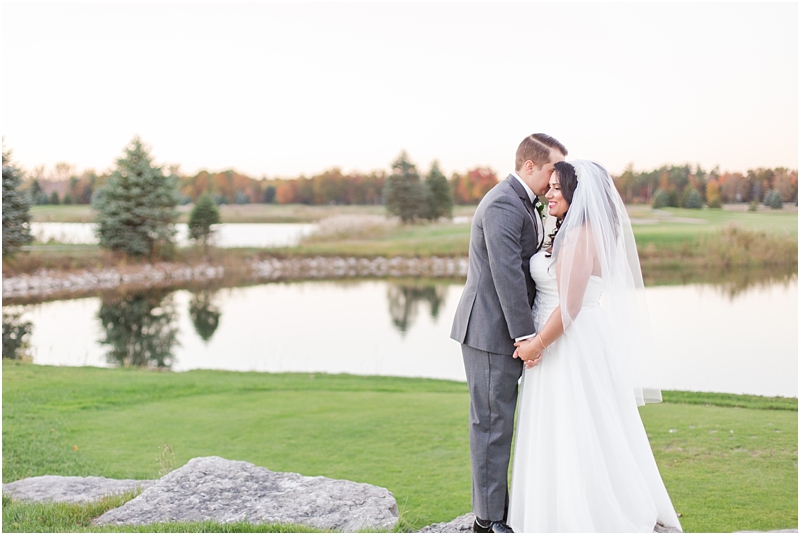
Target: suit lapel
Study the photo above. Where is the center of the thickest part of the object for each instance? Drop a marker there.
(526, 202)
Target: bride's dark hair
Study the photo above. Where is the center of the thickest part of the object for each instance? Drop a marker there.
(568, 181)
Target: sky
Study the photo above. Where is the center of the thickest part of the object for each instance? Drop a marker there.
(280, 90)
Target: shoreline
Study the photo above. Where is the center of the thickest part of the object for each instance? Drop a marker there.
(47, 284)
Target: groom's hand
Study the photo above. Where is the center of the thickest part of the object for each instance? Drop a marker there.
(529, 352)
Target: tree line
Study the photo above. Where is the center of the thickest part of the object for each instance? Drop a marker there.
(689, 186)
(136, 201)
(65, 185)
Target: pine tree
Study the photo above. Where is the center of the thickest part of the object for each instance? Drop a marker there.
(660, 198)
(437, 194)
(693, 199)
(136, 207)
(404, 195)
(16, 217)
(773, 199)
(204, 214)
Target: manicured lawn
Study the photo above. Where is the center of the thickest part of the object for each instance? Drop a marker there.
(673, 227)
(408, 435)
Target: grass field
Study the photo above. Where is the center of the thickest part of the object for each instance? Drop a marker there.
(729, 462)
(659, 233)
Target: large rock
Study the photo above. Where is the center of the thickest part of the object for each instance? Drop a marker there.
(212, 488)
(462, 524)
(70, 489)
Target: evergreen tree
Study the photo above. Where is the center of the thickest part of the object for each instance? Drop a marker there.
(35, 194)
(437, 194)
(16, 217)
(269, 194)
(204, 214)
(660, 198)
(773, 199)
(693, 199)
(136, 206)
(404, 195)
(54, 198)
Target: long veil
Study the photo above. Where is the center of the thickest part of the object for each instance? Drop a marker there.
(596, 239)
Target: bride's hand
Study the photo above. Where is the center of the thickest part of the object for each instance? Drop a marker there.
(531, 363)
(528, 351)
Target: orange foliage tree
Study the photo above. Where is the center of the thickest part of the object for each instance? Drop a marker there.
(470, 187)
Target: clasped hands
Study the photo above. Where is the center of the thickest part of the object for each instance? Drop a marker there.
(529, 350)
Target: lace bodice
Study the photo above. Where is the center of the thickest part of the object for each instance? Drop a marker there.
(546, 299)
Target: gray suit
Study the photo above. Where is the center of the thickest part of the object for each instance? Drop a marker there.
(495, 309)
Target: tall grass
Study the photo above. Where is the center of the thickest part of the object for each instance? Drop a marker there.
(353, 227)
(736, 246)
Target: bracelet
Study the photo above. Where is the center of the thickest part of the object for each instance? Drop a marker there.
(541, 342)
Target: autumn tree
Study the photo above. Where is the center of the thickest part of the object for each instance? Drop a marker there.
(713, 198)
(470, 187)
(136, 206)
(403, 194)
(16, 215)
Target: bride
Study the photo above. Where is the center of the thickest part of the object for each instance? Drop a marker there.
(582, 461)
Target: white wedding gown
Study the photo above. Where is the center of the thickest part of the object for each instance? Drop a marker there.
(582, 461)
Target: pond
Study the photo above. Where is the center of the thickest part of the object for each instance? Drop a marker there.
(226, 235)
(707, 338)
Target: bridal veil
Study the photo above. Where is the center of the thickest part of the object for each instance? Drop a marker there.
(596, 239)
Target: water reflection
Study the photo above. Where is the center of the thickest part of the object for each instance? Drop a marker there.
(404, 302)
(140, 329)
(204, 314)
(730, 282)
(16, 333)
(741, 344)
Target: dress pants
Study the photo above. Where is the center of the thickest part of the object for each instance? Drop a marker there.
(493, 383)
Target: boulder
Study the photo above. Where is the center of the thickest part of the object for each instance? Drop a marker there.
(70, 489)
(213, 488)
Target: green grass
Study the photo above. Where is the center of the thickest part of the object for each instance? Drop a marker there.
(408, 435)
(670, 239)
(21, 517)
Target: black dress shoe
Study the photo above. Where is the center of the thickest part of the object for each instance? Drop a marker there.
(487, 526)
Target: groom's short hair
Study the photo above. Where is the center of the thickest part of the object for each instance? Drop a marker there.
(536, 147)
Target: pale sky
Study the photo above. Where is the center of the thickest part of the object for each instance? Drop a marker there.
(281, 89)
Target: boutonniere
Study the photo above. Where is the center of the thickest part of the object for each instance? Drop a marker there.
(539, 205)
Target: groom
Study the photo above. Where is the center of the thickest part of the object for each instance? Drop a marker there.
(494, 312)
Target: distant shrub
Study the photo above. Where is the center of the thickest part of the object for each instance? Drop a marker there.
(753, 206)
(693, 200)
(660, 198)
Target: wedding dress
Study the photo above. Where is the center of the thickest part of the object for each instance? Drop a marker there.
(582, 460)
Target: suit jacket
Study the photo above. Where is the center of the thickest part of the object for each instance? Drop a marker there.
(495, 307)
